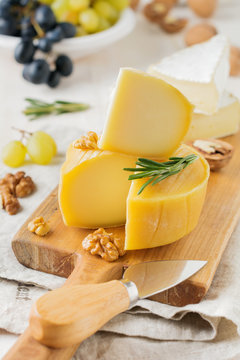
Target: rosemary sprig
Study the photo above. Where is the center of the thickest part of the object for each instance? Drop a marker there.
(38, 108)
(158, 171)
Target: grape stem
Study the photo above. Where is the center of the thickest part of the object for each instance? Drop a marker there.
(22, 132)
(38, 28)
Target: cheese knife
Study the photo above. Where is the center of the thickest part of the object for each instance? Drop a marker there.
(63, 318)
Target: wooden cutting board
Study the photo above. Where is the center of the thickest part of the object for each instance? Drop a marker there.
(60, 251)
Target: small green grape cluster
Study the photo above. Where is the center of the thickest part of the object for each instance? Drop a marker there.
(40, 147)
(90, 16)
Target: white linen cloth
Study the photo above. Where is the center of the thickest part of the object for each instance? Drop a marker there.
(209, 330)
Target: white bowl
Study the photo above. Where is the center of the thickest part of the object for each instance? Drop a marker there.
(82, 46)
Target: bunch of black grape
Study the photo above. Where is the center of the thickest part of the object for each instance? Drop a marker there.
(39, 31)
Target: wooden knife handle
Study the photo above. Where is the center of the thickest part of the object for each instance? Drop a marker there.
(65, 317)
(87, 270)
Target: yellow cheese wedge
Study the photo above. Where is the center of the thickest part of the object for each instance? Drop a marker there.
(223, 123)
(167, 211)
(147, 116)
(93, 188)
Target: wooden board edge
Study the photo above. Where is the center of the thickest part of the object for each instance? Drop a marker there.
(43, 259)
(188, 292)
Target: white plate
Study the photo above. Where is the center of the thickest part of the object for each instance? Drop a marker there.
(81, 46)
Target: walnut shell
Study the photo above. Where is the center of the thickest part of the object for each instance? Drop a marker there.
(199, 33)
(172, 25)
(203, 8)
(218, 153)
(156, 10)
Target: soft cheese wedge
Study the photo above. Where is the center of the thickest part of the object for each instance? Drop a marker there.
(200, 72)
(93, 188)
(147, 116)
(169, 210)
(223, 123)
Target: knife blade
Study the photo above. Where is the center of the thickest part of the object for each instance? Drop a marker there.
(153, 277)
(69, 315)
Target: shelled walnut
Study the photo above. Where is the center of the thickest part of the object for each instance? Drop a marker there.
(88, 142)
(39, 226)
(8, 201)
(218, 153)
(13, 186)
(104, 244)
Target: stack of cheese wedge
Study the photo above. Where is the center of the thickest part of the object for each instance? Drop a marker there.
(200, 72)
(147, 118)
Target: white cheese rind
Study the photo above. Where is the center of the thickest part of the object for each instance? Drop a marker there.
(200, 72)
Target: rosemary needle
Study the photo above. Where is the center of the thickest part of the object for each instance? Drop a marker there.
(158, 171)
(38, 108)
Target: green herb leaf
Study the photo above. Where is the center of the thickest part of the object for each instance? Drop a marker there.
(158, 171)
(38, 108)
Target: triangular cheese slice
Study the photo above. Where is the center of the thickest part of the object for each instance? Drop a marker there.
(147, 116)
(200, 72)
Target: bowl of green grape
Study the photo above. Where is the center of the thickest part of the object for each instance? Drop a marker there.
(35, 32)
(98, 23)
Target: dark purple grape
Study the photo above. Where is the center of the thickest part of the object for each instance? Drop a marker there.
(24, 52)
(69, 30)
(37, 72)
(45, 17)
(25, 73)
(5, 9)
(54, 79)
(27, 29)
(55, 35)
(8, 26)
(45, 45)
(64, 65)
(24, 3)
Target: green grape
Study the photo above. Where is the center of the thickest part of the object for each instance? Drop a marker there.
(89, 20)
(50, 139)
(60, 7)
(41, 148)
(46, 2)
(13, 154)
(81, 31)
(79, 5)
(119, 4)
(103, 24)
(106, 10)
(69, 16)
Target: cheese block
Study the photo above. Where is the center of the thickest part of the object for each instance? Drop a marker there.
(200, 72)
(223, 123)
(169, 210)
(147, 116)
(93, 188)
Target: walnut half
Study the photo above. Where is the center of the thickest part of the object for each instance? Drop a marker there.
(217, 152)
(104, 244)
(88, 142)
(39, 226)
(13, 186)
